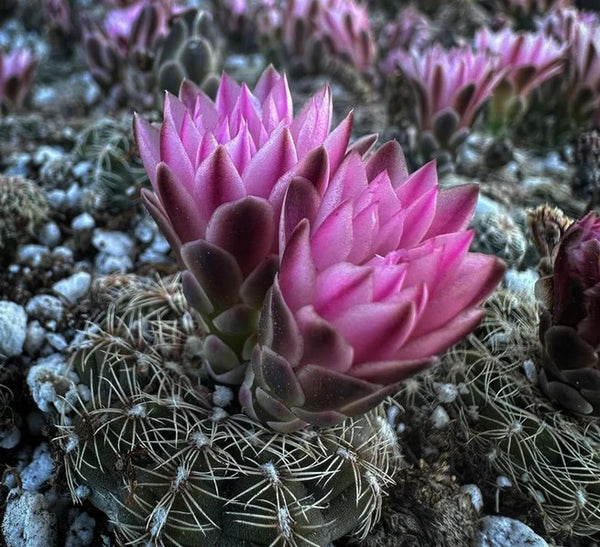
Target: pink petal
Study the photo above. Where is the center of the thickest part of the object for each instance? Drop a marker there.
(179, 205)
(454, 209)
(388, 158)
(377, 329)
(332, 240)
(348, 181)
(389, 372)
(336, 143)
(269, 164)
(341, 287)
(476, 278)
(311, 127)
(417, 218)
(245, 229)
(297, 274)
(147, 138)
(217, 181)
(438, 340)
(227, 94)
(173, 153)
(323, 344)
(417, 184)
(365, 227)
(301, 201)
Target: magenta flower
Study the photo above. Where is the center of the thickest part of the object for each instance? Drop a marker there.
(529, 58)
(120, 52)
(17, 70)
(375, 280)
(450, 88)
(341, 27)
(220, 171)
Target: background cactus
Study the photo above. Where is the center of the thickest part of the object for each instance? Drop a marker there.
(190, 51)
(498, 234)
(502, 417)
(23, 206)
(170, 459)
(115, 172)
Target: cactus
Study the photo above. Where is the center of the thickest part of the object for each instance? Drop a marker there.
(548, 455)
(497, 233)
(115, 174)
(190, 51)
(172, 461)
(23, 207)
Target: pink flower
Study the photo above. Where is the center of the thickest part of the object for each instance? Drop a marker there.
(375, 280)
(450, 86)
(17, 70)
(341, 25)
(529, 58)
(220, 171)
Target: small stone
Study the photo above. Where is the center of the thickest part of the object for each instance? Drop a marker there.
(152, 257)
(446, 393)
(81, 531)
(45, 308)
(113, 243)
(13, 328)
(530, 371)
(73, 288)
(84, 221)
(496, 531)
(522, 282)
(473, 491)
(10, 438)
(486, 205)
(73, 196)
(145, 230)
(62, 253)
(45, 154)
(28, 521)
(106, 264)
(33, 255)
(36, 334)
(57, 341)
(49, 234)
(81, 169)
(40, 470)
(160, 244)
(57, 199)
(440, 417)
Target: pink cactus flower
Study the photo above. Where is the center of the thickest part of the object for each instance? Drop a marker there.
(375, 280)
(451, 86)
(410, 30)
(580, 32)
(343, 25)
(529, 58)
(17, 70)
(220, 171)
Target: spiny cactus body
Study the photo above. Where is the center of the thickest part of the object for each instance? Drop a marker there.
(115, 173)
(173, 462)
(23, 206)
(498, 234)
(546, 454)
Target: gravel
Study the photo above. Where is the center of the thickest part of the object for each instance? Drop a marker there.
(13, 328)
(498, 531)
(73, 288)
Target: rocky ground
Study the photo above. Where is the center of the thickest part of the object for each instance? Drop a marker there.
(90, 223)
